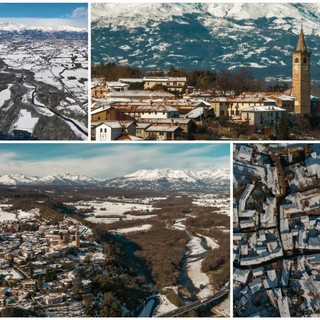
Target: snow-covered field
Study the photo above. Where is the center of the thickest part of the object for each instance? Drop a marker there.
(15, 216)
(143, 227)
(208, 200)
(7, 216)
(144, 200)
(179, 225)
(5, 95)
(25, 121)
(25, 215)
(109, 212)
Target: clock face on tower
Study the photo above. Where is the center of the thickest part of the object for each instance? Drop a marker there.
(306, 68)
(296, 67)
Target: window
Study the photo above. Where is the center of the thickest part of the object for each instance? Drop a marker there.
(305, 60)
(296, 60)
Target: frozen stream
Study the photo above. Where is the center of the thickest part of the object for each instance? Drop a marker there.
(192, 278)
(197, 282)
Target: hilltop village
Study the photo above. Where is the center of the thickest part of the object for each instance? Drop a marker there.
(44, 268)
(166, 107)
(276, 239)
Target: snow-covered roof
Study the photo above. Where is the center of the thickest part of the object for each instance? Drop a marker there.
(116, 84)
(102, 108)
(285, 97)
(139, 93)
(96, 84)
(112, 124)
(130, 80)
(314, 99)
(195, 113)
(262, 109)
(219, 99)
(165, 79)
(171, 120)
(141, 125)
(240, 275)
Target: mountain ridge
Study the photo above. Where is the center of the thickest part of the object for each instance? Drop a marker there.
(259, 36)
(157, 179)
(10, 27)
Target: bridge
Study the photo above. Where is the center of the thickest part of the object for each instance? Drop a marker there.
(215, 299)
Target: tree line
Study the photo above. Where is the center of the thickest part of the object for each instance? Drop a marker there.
(222, 82)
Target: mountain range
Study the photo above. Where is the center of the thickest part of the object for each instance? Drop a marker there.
(156, 179)
(16, 30)
(259, 36)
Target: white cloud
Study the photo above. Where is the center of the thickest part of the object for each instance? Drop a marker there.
(79, 13)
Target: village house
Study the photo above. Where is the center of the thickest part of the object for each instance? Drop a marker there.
(98, 91)
(284, 101)
(109, 113)
(147, 110)
(163, 133)
(188, 126)
(261, 116)
(232, 106)
(139, 94)
(173, 84)
(130, 80)
(111, 130)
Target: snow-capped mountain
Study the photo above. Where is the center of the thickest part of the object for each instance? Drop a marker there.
(260, 36)
(7, 26)
(8, 29)
(61, 179)
(155, 179)
(173, 180)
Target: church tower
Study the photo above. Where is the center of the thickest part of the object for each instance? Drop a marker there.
(77, 238)
(301, 87)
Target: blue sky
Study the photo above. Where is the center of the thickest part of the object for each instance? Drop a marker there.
(109, 160)
(49, 14)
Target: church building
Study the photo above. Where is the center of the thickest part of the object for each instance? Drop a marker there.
(301, 85)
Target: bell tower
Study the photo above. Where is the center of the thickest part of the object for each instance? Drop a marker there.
(301, 86)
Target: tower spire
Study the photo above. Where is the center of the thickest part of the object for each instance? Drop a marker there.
(302, 46)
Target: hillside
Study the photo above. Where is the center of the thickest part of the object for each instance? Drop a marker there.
(205, 35)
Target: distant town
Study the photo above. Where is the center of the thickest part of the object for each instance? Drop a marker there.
(128, 104)
(276, 237)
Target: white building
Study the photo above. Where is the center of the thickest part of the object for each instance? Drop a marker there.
(111, 130)
(261, 116)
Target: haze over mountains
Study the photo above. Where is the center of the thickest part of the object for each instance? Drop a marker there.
(156, 179)
(260, 36)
